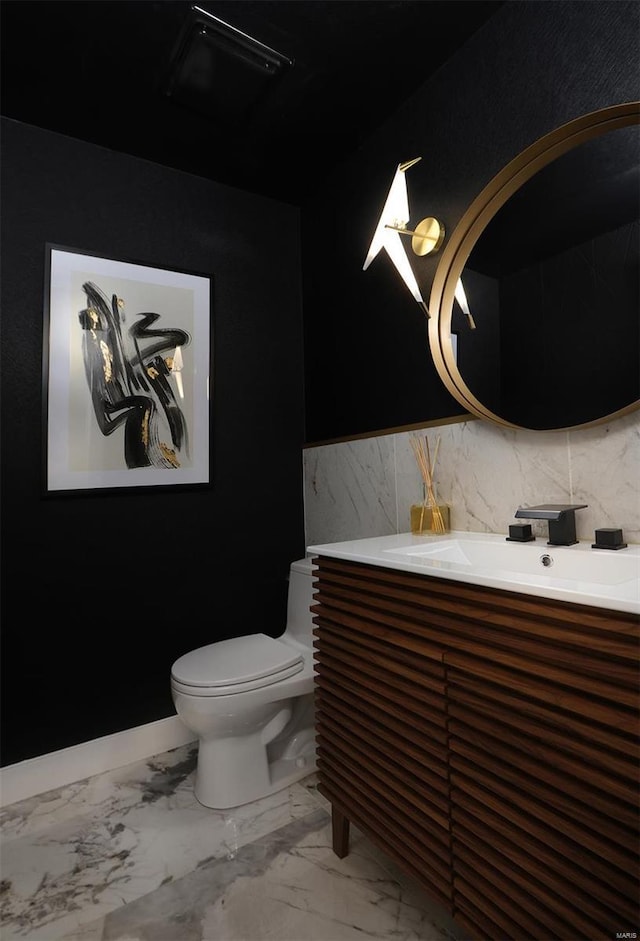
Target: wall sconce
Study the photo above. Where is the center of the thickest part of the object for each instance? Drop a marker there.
(426, 238)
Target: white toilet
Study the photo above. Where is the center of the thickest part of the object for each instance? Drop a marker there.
(250, 702)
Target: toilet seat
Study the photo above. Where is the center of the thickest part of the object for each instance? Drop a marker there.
(235, 666)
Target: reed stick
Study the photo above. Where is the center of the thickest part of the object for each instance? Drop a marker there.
(427, 466)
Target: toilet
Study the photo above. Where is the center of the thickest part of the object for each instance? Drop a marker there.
(249, 700)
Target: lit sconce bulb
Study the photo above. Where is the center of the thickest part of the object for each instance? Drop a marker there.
(461, 298)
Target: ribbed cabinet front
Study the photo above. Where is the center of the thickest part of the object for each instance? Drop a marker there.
(487, 741)
(544, 780)
(381, 722)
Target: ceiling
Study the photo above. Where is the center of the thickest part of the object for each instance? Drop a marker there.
(167, 82)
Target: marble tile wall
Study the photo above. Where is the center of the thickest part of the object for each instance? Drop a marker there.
(485, 472)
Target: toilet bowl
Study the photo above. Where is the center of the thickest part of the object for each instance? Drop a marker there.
(249, 700)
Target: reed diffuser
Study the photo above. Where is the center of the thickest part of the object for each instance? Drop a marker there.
(428, 516)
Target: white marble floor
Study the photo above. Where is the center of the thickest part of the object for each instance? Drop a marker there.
(130, 855)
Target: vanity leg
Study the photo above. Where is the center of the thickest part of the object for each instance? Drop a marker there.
(339, 832)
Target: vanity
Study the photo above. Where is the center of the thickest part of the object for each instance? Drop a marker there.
(477, 719)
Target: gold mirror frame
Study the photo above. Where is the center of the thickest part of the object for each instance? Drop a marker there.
(475, 220)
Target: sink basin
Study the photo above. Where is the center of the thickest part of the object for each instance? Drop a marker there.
(599, 577)
(579, 563)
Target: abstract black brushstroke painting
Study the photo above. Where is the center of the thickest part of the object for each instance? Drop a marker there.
(127, 374)
(132, 387)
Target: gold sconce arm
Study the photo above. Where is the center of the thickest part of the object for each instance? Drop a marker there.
(427, 237)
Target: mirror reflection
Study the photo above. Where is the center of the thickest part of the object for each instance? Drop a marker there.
(553, 286)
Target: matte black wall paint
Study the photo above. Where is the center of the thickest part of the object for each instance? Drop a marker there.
(84, 657)
(532, 67)
(90, 671)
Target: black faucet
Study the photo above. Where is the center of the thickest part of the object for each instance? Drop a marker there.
(562, 520)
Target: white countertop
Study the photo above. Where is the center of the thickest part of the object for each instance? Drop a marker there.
(600, 578)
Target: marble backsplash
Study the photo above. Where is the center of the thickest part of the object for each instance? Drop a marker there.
(365, 487)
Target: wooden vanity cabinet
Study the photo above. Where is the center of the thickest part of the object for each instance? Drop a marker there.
(381, 721)
(488, 742)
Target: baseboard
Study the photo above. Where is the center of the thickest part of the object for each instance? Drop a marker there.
(57, 769)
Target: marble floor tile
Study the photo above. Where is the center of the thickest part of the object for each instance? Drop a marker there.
(130, 855)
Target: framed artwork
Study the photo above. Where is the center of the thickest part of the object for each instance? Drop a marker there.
(126, 375)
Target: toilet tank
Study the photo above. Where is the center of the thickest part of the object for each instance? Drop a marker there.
(299, 599)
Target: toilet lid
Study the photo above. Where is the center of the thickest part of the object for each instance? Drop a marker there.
(241, 662)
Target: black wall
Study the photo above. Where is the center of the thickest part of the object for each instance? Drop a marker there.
(78, 663)
(89, 670)
(532, 67)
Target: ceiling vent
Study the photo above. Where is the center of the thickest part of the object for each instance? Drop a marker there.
(220, 71)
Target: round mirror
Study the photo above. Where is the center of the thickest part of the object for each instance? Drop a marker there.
(544, 263)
